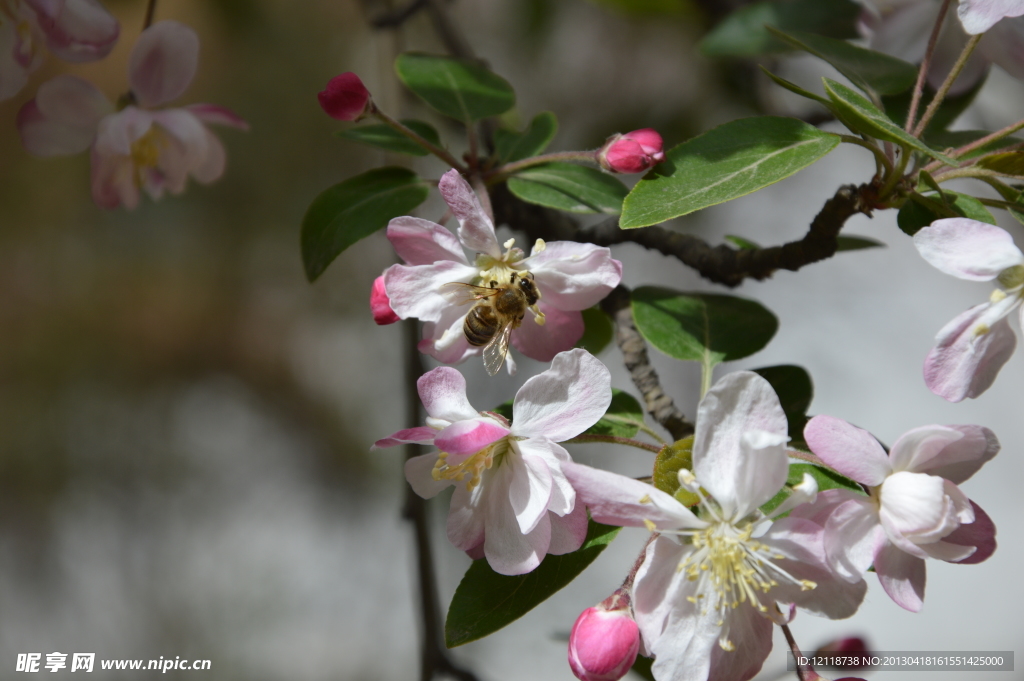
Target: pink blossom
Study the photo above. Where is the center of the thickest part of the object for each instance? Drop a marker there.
(345, 97)
(512, 502)
(604, 640)
(978, 16)
(974, 346)
(633, 152)
(914, 509)
(73, 30)
(708, 591)
(379, 304)
(138, 147)
(570, 277)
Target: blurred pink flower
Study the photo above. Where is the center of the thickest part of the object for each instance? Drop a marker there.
(345, 97)
(978, 16)
(137, 147)
(380, 306)
(633, 152)
(73, 30)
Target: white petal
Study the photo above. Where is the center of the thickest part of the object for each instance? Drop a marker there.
(967, 249)
(417, 472)
(563, 496)
(961, 459)
(418, 290)
(850, 450)
(476, 231)
(529, 490)
(443, 393)
(569, 531)
(617, 500)
(508, 550)
(422, 242)
(573, 276)
(917, 447)
(902, 576)
(565, 400)
(978, 16)
(163, 62)
(466, 515)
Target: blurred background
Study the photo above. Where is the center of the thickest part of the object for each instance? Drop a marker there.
(185, 421)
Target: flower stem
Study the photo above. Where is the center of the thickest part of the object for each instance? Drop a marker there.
(879, 154)
(946, 84)
(432, 148)
(501, 172)
(615, 439)
(998, 134)
(150, 12)
(895, 175)
(801, 670)
(922, 73)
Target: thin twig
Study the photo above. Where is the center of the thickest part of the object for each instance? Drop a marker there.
(922, 73)
(397, 18)
(801, 670)
(933, 106)
(998, 134)
(614, 439)
(150, 13)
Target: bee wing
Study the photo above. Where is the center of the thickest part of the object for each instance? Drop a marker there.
(496, 349)
(461, 294)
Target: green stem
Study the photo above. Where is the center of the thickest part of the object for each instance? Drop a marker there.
(998, 203)
(933, 106)
(970, 171)
(896, 175)
(998, 134)
(706, 371)
(501, 172)
(879, 154)
(432, 148)
(150, 13)
(922, 73)
(614, 439)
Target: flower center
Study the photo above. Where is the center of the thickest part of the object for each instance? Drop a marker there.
(472, 466)
(146, 149)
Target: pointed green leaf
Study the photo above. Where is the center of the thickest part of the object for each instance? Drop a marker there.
(870, 120)
(1013, 196)
(797, 90)
(354, 209)
(623, 418)
(743, 33)
(725, 163)
(946, 139)
(597, 330)
(924, 209)
(870, 71)
(515, 146)
(1010, 163)
(386, 137)
(485, 601)
(569, 187)
(855, 243)
(702, 327)
(741, 243)
(825, 477)
(458, 88)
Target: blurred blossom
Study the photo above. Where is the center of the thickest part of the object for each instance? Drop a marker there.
(633, 152)
(137, 147)
(380, 306)
(978, 16)
(345, 97)
(73, 30)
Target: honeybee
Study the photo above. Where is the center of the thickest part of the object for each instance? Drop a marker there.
(499, 309)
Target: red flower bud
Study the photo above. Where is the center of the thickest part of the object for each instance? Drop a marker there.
(604, 641)
(850, 648)
(345, 98)
(380, 305)
(633, 152)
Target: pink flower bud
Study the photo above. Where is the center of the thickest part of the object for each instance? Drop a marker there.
(380, 305)
(345, 98)
(850, 648)
(633, 152)
(604, 642)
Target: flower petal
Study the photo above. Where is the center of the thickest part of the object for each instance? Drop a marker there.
(420, 435)
(853, 533)
(469, 436)
(189, 131)
(212, 166)
(978, 16)
(77, 30)
(446, 340)
(963, 364)
(443, 393)
(418, 474)
(476, 231)
(852, 451)
(220, 115)
(920, 508)
(980, 534)
(751, 633)
(163, 63)
(508, 550)
(617, 500)
(529, 490)
(422, 242)
(113, 180)
(573, 276)
(740, 473)
(568, 531)
(417, 290)
(564, 400)
(560, 331)
(902, 576)
(656, 590)
(563, 496)
(967, 249)
(466, 516)
(685, 650)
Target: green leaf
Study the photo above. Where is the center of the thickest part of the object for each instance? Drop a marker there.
(597, 330)
(515, 146)
(870, 71)
(924, 209)
(670, 460)
(856, 243)
(569, 187)
(793, 386)
(458, 88)
(1010, 163)
(1013, 196)
(744, 34)
(702, 327)
(869, 119)
(642, 667)
(386, 137)
(825, 477)
(741, 243)
(485, 601)
(946, 139)
(623, 418)
(354, 209)
(797, 90)
(897, 106)
(725, 163)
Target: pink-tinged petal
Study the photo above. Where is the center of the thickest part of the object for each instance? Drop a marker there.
(76, 30)
(477, 552)
(617, 500)
(963, 364)
(740, 473)
(967, 249)
(529, 491)
(418, 290)
(564, 400)
(852, 451)
(751, 633)
(568, 531)
(469, 436)
(446, 340)
(563, 496)
(951, 553)
(980, 534)
(113, 180)
(853, 533)
(508, 550)
(657, 589)
(163, 63)
(219, 115)
(422, 242)
(572, 276)
(443, 393)
(978, 16)
(380, 306)
(476, 231)
(1004, 46)
(921, 508)
(466, 516)
(63, 118)
(650, 140)
(951, 452)
(685, 650)
(117, 132)
(418, 474)
(345, 98)
(902, 576)
(420, 435)
(603, 644)
(188, 130)
(560, 331)
(212, 166)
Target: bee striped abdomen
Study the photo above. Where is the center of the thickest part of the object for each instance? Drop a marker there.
(481, 325)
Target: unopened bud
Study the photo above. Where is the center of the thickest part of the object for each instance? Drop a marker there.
(380, 306)
(604, 641)
(633, 152)
(345, 97)
(853, 650)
